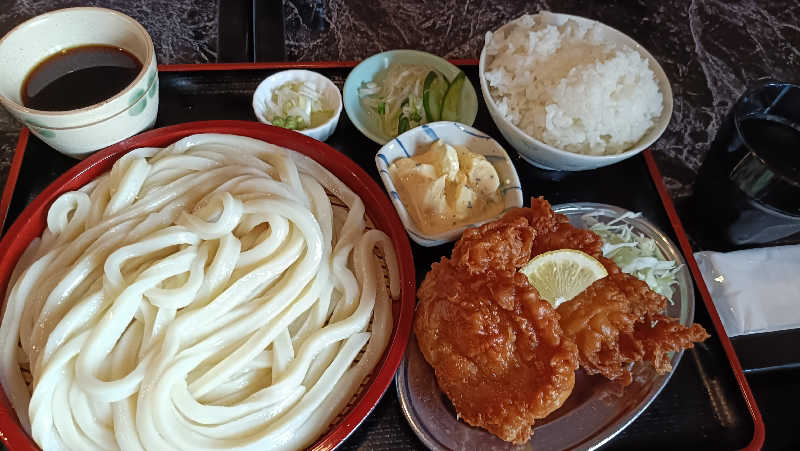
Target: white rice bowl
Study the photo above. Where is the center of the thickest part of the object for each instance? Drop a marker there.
(568, 87)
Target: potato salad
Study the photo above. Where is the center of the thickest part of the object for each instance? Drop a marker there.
(447, 186)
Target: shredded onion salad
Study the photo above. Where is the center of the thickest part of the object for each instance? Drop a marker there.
(395, 91)
(635, 253)
(208, 295)
(296, 105)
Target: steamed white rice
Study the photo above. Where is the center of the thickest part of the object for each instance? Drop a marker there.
(568, 88)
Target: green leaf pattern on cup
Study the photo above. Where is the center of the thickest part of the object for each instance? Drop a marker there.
(134, 108)
(138, 99)
(137, 107)
(39, 129)
(153, 89)
(46, 133)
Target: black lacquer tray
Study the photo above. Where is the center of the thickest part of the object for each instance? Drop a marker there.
(707, 404)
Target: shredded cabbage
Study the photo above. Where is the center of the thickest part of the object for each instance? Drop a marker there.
(395, 91)
(635, 253)
(295, 105)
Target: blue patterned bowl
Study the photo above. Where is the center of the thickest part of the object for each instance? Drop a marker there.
(418, 140)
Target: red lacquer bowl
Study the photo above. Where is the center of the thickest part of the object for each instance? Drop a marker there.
(32, 221)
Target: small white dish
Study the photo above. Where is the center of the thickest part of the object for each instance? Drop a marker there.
(418, 140)
(331, 98)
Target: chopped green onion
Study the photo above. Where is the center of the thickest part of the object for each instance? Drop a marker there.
(292, 105)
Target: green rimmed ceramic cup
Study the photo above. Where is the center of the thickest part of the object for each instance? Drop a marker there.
(80, 132)
(366, 71)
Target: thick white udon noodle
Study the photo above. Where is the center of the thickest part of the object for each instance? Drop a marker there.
(202, 296)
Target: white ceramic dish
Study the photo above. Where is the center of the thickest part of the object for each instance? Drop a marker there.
(78, 133)
(331, 98)
(546, 156)
(418, 140)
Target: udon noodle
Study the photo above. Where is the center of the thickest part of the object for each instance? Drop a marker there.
(207, 295)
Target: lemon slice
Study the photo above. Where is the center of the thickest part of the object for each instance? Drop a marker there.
(561, 275)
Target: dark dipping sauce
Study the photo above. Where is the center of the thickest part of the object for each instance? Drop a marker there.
(79, 77)
(776, 141)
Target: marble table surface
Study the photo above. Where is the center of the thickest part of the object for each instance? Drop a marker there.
(710, 49)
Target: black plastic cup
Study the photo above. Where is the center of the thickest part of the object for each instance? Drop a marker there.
(747, 192)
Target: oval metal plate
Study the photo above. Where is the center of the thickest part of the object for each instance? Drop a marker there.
(597, 409)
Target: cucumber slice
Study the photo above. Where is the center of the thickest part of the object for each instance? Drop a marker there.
(452, 98)
(433, 92)
(402, 125)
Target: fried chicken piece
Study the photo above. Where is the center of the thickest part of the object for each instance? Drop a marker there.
(502, 355)
(497, 349)
(667, 335)
(554, 231)
(499, 246)
(618, 321)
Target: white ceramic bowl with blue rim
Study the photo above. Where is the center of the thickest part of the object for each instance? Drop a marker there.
(418, 140)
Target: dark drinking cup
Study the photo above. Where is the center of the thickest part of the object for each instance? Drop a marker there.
(747, 192)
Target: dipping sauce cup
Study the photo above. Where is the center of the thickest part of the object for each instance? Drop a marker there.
(80, 132)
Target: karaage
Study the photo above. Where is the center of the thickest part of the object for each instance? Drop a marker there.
(617, 321)
(502, 355)
(554, 231)
(497, 348)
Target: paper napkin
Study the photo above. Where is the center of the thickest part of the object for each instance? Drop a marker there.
(755, 290)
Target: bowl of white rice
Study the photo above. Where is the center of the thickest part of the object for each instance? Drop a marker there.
(570, 93)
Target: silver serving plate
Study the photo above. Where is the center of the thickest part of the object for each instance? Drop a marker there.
(597, 409)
